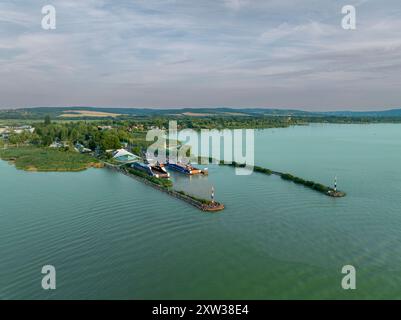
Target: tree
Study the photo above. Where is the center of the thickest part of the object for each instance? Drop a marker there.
(74, 135)
(47, 140)
(110, 141)
(14, 138)
(63, 134)
(47, 120)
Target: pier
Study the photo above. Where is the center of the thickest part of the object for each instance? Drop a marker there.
(211, 206)
(328, 191)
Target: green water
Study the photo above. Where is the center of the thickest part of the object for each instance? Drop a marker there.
(111, 237)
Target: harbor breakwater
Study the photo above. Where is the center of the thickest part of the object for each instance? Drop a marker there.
(208, 206)
(328, 191)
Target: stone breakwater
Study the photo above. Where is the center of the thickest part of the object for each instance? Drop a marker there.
(326, 190)
(206, 207)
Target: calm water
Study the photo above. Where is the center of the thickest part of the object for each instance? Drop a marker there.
(112, 237)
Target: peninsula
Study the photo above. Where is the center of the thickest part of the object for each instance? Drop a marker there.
(75, 139)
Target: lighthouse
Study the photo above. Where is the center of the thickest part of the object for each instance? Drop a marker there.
(335, 184)
(212, 194)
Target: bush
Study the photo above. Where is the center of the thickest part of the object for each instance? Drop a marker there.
(307, 183)
(165, 183)
(287, 176)
(262, 170)
(47, 159)
(203, 201)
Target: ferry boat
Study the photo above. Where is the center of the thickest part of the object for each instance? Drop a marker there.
(157, 170)
(185, 168)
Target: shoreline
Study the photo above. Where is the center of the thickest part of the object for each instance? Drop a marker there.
(35, 159)
(41, 170)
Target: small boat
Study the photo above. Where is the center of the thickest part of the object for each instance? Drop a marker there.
(157, 170)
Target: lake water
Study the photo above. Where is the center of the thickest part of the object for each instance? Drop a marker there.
(111, 237)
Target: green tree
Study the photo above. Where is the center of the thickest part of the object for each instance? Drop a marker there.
(110, 141)
(47, 120)
(63, 134)
(47, 140)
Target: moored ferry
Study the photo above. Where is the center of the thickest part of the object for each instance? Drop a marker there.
(185, 168)
(157, 171)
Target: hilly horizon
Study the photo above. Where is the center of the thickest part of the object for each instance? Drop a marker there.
(74, 111)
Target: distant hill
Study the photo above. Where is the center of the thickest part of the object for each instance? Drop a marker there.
(385, 113)
(97, 112)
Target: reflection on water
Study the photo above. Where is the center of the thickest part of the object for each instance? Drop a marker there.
(197, 185)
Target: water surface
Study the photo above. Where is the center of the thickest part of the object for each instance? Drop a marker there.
(111, 237)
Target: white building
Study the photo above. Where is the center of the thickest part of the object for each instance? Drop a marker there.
(123, 155)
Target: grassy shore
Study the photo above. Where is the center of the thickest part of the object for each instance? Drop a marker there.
(47, 160)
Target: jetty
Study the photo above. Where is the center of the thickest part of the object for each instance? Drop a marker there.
(201, 204)
(328, 191)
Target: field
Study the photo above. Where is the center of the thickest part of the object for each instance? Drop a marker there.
(46, 159)
(193, 114)
(87, 113)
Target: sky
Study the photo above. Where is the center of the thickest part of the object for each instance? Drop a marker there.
(201, 53)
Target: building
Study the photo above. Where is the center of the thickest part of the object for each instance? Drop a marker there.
(17, 130)
(123, 155)
(103, 128)
(22, 129)
(81, 148)
(58, 144)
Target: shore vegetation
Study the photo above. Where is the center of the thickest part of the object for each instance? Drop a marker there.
(31, 158)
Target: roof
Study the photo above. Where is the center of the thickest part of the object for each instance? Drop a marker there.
(124, 155)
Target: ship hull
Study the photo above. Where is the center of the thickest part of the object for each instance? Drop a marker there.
(185, 169)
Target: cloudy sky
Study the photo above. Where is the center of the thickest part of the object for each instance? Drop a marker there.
(201, 53)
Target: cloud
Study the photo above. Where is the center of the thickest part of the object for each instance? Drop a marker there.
(236, 4)
(200, 53)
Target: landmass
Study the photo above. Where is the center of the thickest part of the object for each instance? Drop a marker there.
(78, 138)
(31, 158)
